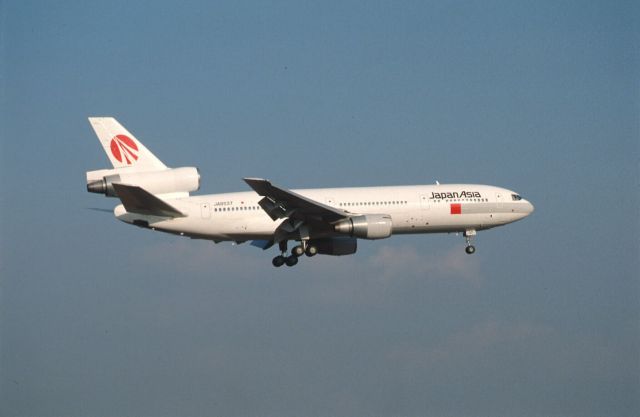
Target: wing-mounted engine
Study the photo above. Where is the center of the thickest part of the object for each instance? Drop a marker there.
(336, 246)
(165, 181)
(367, 226)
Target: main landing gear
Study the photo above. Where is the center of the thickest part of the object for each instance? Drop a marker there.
(297, 251)
(280, 260)
(470, 249)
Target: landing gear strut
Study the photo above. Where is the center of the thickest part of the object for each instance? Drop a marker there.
(305, 248)
(281, 259)
(470, 249)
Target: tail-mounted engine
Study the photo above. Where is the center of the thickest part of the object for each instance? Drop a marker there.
(172, 180)
(368, 226)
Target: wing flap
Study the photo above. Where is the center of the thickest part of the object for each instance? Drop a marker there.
(286, 203)
(138, 200)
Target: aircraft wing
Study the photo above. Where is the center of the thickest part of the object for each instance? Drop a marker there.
(280, 203)
(137, 200)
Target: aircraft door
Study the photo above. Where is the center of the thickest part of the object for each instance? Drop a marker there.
(499, 200)
(424, 202)
(205, 210)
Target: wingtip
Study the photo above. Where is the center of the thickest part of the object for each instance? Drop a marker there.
(253, 180)
(99, 118)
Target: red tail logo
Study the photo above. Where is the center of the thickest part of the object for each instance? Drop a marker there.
(124, 147)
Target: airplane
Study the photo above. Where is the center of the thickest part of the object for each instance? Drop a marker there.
(327, 221)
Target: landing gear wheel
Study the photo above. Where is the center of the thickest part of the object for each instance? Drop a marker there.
(468, 234)
(278, 261)
(297, 251)
(311, 251)
(291, 260)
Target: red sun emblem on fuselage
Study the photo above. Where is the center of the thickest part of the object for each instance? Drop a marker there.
(124, 148)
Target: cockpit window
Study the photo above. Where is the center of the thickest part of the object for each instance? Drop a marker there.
(516, 197)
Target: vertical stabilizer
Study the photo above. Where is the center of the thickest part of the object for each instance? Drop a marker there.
(122, 148)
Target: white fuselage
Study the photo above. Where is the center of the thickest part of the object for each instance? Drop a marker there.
(327, 221)
(413, 209)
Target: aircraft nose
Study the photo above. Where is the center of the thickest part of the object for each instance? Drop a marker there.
(530, 207)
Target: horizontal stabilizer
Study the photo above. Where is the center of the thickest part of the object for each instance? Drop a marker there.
(138, 200)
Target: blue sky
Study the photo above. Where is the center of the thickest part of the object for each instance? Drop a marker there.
(103, 319)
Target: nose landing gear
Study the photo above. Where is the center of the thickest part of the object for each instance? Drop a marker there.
(470, 249)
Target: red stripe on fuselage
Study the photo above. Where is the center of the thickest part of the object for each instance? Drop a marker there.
(456, 208)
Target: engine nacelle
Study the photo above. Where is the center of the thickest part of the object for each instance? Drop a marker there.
(367, 226)
(336, 246)
(172, 180)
